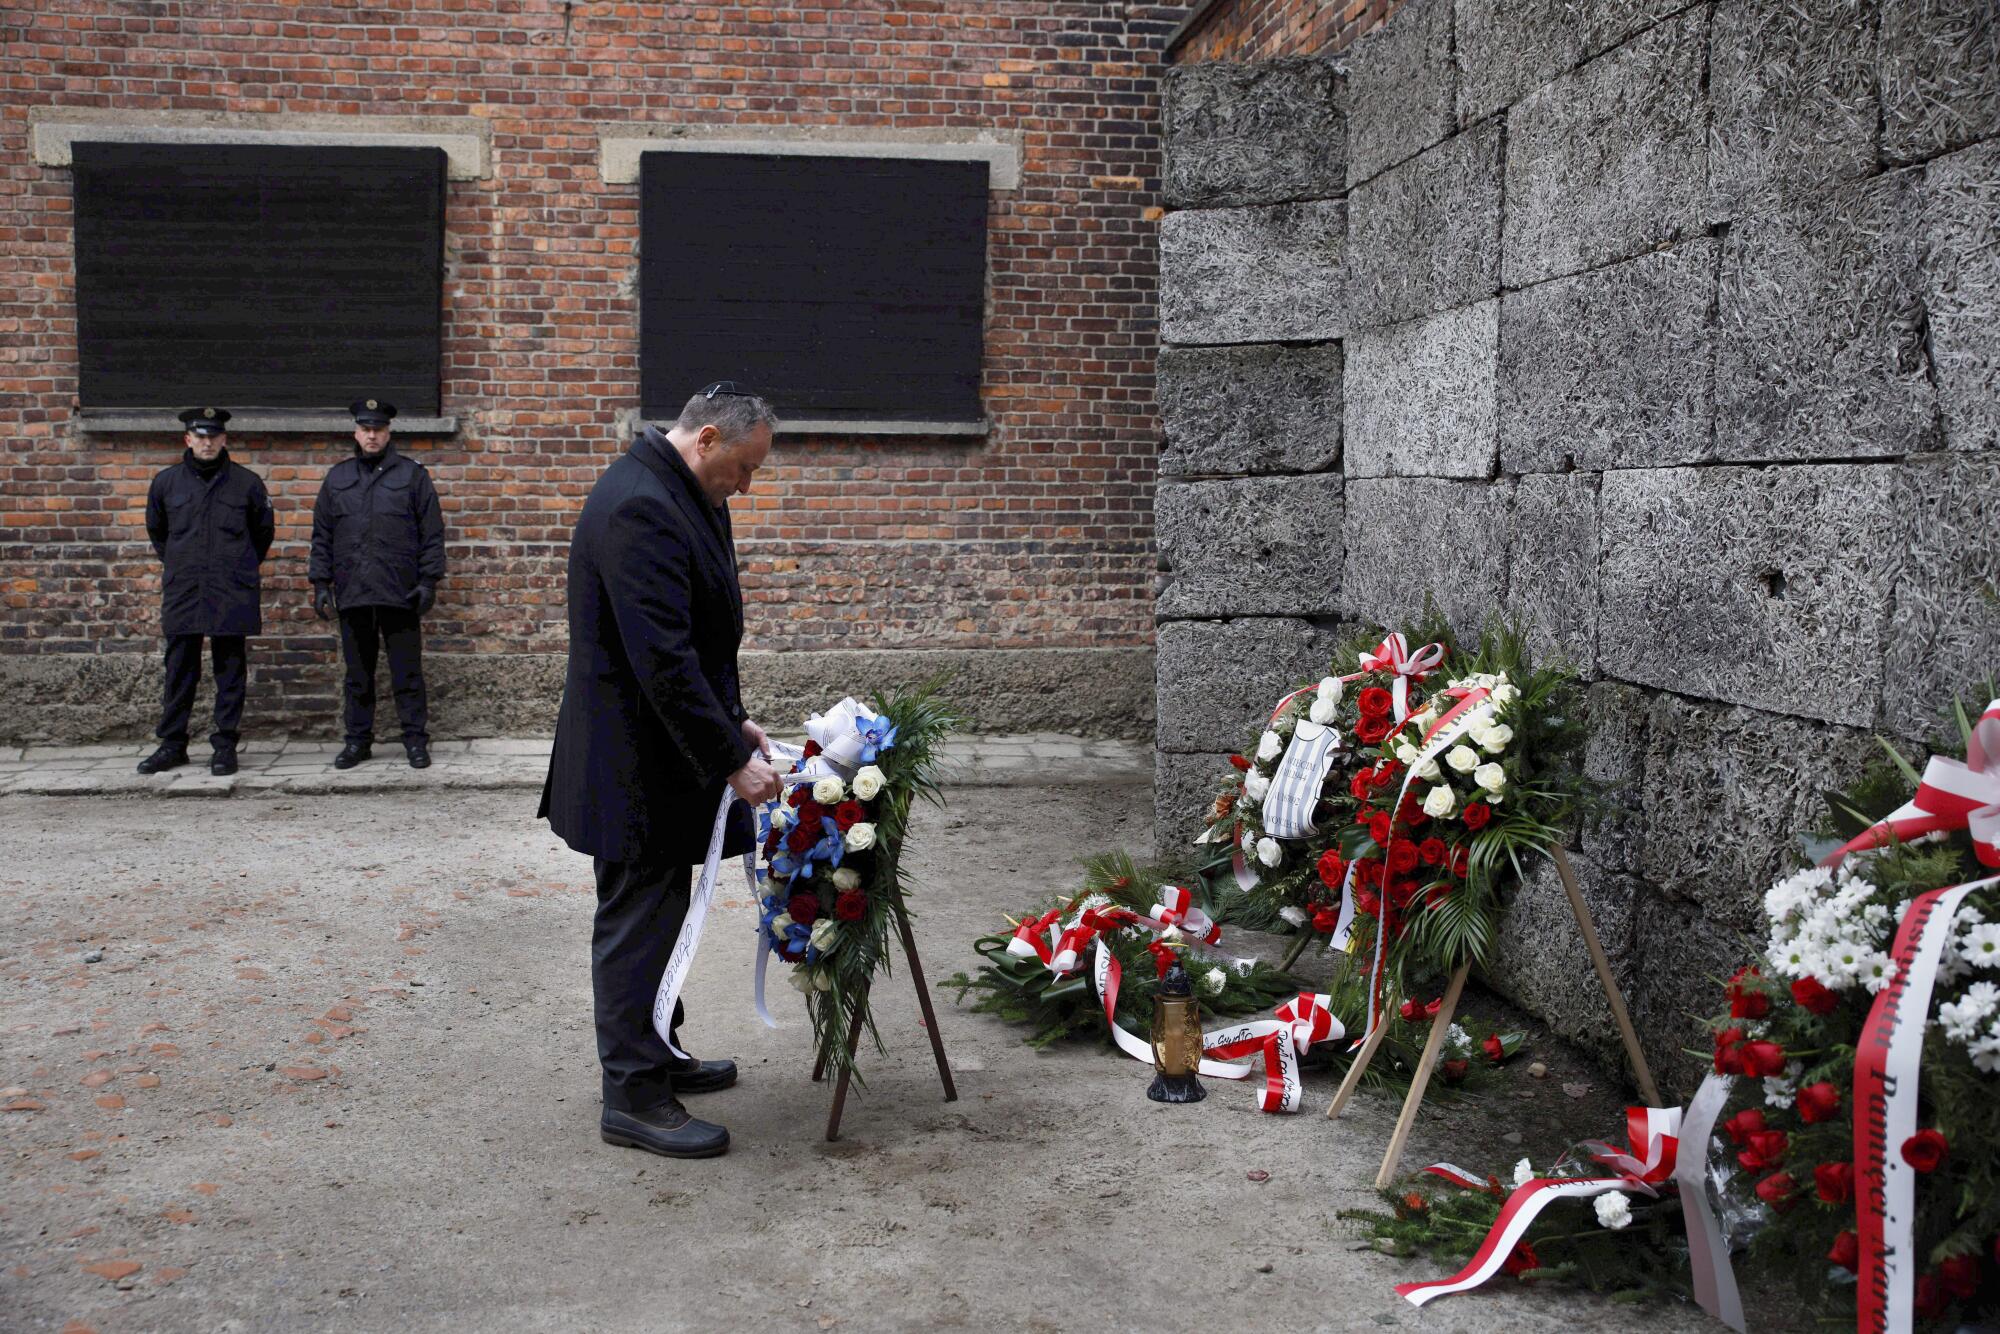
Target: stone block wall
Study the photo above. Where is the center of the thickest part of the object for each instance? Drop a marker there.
(1672, 329)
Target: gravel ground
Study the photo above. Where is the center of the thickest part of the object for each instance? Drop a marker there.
(334, 1070)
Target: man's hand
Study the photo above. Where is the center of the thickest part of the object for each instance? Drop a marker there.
(755, 738)
(323, 602)
(427, 596)
(756, 782)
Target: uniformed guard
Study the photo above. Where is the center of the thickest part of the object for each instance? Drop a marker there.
(377, 556)
(210, 521)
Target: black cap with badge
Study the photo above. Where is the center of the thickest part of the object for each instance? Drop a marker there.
(372, 412)
(206, 421)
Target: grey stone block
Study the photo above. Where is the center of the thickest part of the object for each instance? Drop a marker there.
(1728, 794)
(1250, 409)
(1821, 331)
(1253, 134)
(1552, 570)
(1219, 679)
(1542, 964)
(1401, 88)
(1940, 75)
(1508, 48)
(1420, 396)
(1184, 786)
(1944, 640)
(1610, 369)
(1761, 587)
(1425, 235)
(1409, 538)
(1614, 758)
(1255, 546)
(1792, 84)
(1682, 956)
(1254, 275)
(1609, 159)
(1962, 291)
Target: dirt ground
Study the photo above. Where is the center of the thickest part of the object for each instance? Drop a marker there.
(334, 1071)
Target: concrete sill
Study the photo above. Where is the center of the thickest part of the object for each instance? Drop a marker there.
(833, 426)
(251, 421)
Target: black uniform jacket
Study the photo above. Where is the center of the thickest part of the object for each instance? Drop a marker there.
(651, 715)
(377, 532)
(211, 533)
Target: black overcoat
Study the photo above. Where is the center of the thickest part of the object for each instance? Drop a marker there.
(377, 532)
(651, 717)
(211, 533)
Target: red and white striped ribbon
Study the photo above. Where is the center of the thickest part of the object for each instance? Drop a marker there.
(1954, 794)
(1393, 655)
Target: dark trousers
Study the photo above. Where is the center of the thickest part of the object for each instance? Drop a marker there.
(639, 913)
(228, 655)
(365, 630)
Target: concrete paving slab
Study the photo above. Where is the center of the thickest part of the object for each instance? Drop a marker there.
(44, 753)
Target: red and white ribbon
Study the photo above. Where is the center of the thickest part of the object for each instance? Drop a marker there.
(1179, 911)
(1461, 1178)
(1281, 1040)
(1107, 976)
(1954, 794)
(1393, 655)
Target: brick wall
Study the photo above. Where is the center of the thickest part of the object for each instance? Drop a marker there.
(1246, 30)
(1036, 538)
(1668, 328)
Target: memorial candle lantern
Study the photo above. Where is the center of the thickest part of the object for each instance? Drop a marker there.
(1176, 1040)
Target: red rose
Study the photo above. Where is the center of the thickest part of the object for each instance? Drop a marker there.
(1769, 1146)
(1960, 1275)
(1810, 995)
(1359, 786)
(850, 906)
(1729, 1056)
(1433, 851)
(1385, 773)
(1368, 873)
(1411, 1011)
(1834, 1181)
(812, 749)
(1461, 861)
(812, 815)
(1403, 857)
(1931, 1300)
(1846, 1252)
(800, 839)
(1366, 903)
(1431, 1010)
(1926, 1150)
(1240, 763)
(1475, 816)
(1436, 894)
(1496, 1051)
(800, 796)
(1371, 731)
(1763, 1058)
(1744, 1124)
(1325, 920)
(1411, 812)
(1402, 891)
(1522, 1260)
(1776, 1190)
(1745, 1002)
(1819, 1102)
(848, 814)
(1378, 828)
(1454, 1070)
(1332, 870)
(1375, 702)
(804, 908)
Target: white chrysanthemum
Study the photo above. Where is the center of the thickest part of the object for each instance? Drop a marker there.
(1963, 1018)
(1614, 1209)
(1878, 970)
(1457, 1041)
(1270, 746)
(1524, 1172)
(1981, 946)
(1986, 1054)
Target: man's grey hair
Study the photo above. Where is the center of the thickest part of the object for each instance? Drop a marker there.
(732, 415)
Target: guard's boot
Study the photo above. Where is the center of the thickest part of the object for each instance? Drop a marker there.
(223, 761)
(667, 1130)
(419, 753)
(351, 754)
(168, 756)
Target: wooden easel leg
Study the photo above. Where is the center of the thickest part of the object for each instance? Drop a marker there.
(1603, 965)
(1359, 1066)
(924, 1002)
(819, 1064)
(1421, 1077)
(854, 1027)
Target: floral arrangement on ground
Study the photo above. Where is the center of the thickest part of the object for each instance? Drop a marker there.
(831, 863)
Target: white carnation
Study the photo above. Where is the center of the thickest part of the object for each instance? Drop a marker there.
(1268, 851)
(1439, 802)
(1329, 692)
(1491, 777)
(1614, 1209)
(860, 837)
(1213, 981)
(829, 791)
(1255, 787)
(1524, 1172)
(1293, 914)
(1462, 758)
(1270, 746)
(1321, 712)
(868, 781)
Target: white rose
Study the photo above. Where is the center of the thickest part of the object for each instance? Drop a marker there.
(1614, 1209)
(802, 981)
(1438, 802)
(1293, 914)
(860, 837)
(1171, 936)
(1462, 758)
(868, 782)
(825, 934)
(1490, 776)
(1255, 787)
(1268, 851)
(1321, 712)
(1270, 746)
(1495, 740)
(1505, 694)
(822, 980)
(1429, 771)
(1524, 1172)
(829, 791)
(1406, 752)
(781, 924)
(847, 878)
(1213, 981)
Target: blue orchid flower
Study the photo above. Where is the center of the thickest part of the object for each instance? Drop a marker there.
(831, 846)
(877, 735)
(785, 865)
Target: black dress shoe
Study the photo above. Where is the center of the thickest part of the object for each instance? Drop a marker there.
(352, 754)
(667, 1130)
(420, 754)
(166, 757)
(705, 1077)
(223, 762)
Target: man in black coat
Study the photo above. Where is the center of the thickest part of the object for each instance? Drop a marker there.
(652, 727)
(377, 556)
(210, 522)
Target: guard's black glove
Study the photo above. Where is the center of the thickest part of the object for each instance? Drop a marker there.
(427, 596)
(323, 601)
